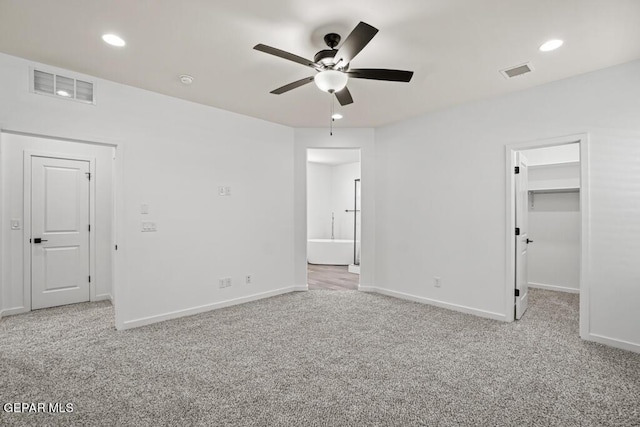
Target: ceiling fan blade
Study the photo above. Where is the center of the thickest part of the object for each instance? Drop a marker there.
(381, 74)
(287, 88)
(344, 97)
(355, 42)
(286, 55)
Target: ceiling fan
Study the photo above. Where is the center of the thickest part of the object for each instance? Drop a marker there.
(332, 65)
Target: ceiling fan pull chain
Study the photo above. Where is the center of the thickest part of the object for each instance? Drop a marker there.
(331, 116)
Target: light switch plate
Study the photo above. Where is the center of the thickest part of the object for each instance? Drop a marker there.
(144, 209)
(222, 191)
(149, 226)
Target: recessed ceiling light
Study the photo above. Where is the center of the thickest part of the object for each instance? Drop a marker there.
(336, 116)
(186, 79)
(551, 45)
(63, 93)
(113, 40)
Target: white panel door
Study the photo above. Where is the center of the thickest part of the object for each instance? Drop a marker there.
(522, 239)
(59, 231)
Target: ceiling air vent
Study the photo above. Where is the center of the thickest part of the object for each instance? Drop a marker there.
(62, 86)
(516, 71)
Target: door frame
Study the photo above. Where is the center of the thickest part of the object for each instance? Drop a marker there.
(585, 218)
(26, 229)
(306, 203)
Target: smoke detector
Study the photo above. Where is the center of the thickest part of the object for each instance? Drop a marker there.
(186, 79)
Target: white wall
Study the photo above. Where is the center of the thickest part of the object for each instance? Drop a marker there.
(342, 138)
(448, 168)
(330, 191)
(554, 226)
(174, 155)
(343, 177)
(319, 200)
(13, 147)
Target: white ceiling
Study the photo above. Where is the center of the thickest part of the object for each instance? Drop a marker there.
(333, 156)
(455, 47)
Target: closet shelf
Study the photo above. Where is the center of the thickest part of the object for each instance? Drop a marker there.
(555, 190)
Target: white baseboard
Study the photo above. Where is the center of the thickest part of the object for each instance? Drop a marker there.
(437, 303)
(624, 345)
(301, 288)
(553, 288)
(135, 323)
(103, 297)
(13, 311)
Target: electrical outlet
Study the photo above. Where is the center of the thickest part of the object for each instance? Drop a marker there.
(247, 279)
(222, 191)
(221, 283)
(437, 281)
(227, 282)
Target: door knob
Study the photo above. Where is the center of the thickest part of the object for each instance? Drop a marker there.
(529, 241)
(39, 240)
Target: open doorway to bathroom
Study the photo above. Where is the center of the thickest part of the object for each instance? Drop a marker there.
(333, 219)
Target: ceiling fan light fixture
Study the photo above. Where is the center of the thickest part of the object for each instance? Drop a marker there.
(331, 81)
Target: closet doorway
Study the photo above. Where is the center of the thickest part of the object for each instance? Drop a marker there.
(548, 222)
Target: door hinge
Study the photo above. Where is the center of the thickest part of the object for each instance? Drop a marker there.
(517, 231)
(89, 279)
(89, 227)
(517, 170)
(517, 292)
(88, 175)
(116, 247)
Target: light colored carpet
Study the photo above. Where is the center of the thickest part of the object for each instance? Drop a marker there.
(318, 359)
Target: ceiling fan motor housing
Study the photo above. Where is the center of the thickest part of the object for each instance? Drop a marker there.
(325, 57)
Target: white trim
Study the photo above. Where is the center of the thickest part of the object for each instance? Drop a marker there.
(26, 230)
(554, 288)
(103, 297)
(624, 345)
(510, 151)
(297, 288)
(129, 324)
(585, 237)
(13, 311)
(3, 205)
(437, 303)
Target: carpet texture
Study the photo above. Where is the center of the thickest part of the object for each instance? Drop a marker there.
(318, 358)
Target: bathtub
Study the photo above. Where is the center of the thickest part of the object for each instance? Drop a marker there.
(330, 252)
